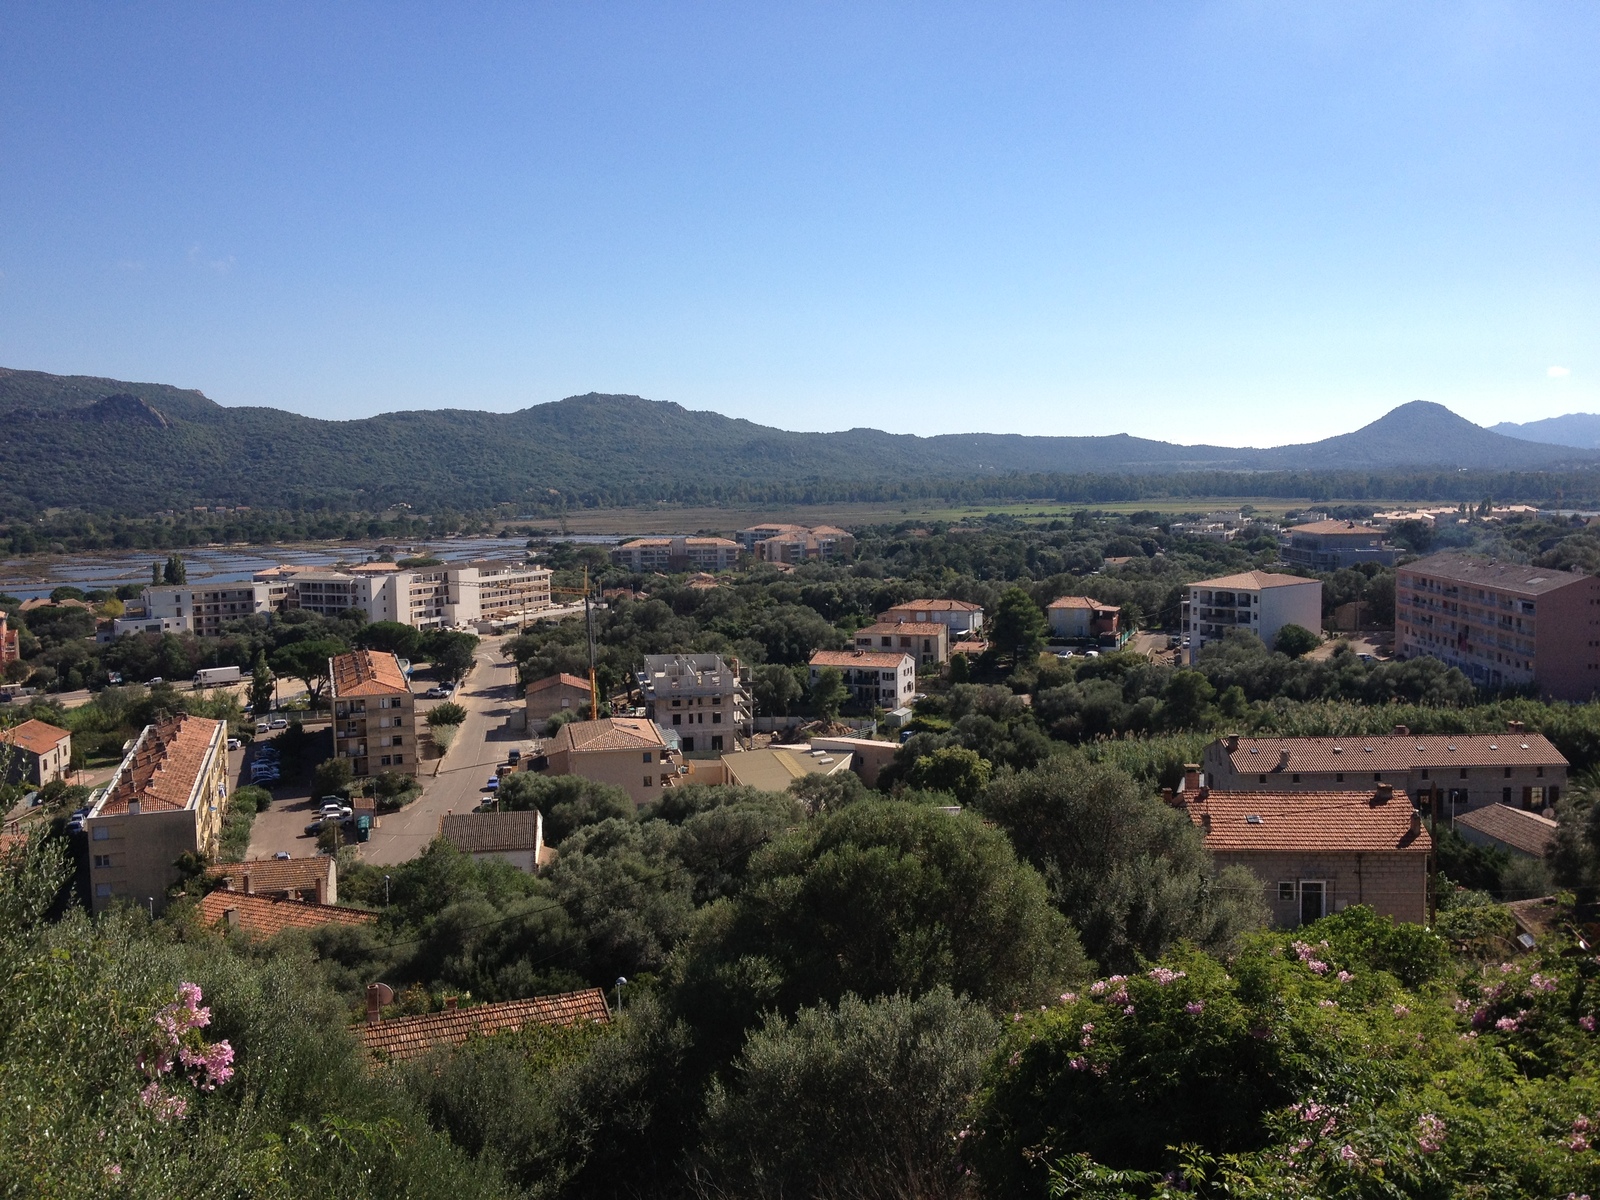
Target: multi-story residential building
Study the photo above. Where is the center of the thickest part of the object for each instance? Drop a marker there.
(797, 543)
(1257, 601)
(876, 678)
(962, 619)
(9, 651)
(1329, 545)
(374, 713)
(1502, 624)
(1466, 771)
(928, 643)
(448, 594)
(628, 752)
(1080, 619)
(1317, 853)
(676, 554)
(42, 752)
(166, 798)
(700, 697)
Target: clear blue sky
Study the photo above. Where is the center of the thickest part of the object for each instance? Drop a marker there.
(1234, 223)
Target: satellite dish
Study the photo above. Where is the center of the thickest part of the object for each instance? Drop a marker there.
(381, 992)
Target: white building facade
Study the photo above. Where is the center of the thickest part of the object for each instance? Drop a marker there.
(1257, 601)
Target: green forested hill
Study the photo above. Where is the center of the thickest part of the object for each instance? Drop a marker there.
(107, 444)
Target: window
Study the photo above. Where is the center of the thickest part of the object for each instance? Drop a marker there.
(1537, 771)
(1312, 900)
(1377, 777)
(648, 781)
(101, 833)
(102, 889)
(384, 761)
(1261, 778)
(1505, 794)
(1463, 772)
(677, 718)
(716, 741)
(716, 718)
(1508, 772)
(647, 756)
(1286, 889)
(1339, 777)
(102, 860)
(716, 700)
(677, 704)
(1297, 779)
(1424, 772)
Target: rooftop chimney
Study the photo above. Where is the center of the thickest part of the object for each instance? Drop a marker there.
(1168, 796)
(249, 885)
(378, 994)
(1515, 727)
(1384, 794)
(322, 890)
(1231, 741)
(1283, 759)
(1402, 731)
(1416, 821)
(1205, 823)
(231, 916)
(1191, 777)
(449, 1004)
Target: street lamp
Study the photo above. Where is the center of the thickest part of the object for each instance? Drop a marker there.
(621, 983)
(386, 891)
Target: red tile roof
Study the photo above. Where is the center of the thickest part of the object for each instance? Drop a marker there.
(411, 1037)
(267, 917)
(1328, 822)
(887, 660)
(36, 737)
(269, 875)
(608, 733)
(1083, 602)
(1393, 753)
(1252, 581)
(938, 606)
(161, 770)
(550, 681)
(491, 833)
(1525, 831)
(909, 628)
(367, 673)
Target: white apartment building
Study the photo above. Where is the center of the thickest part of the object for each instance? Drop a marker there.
(677, 554)
(879, 678)
(699, 696)
(443, 596)
(1258, 601)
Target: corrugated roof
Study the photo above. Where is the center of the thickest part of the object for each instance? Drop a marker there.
(1525, 831)
(1253, 581)
(608, 733)
(1393, 753)
(276, 874)
(161, 769)
(366, 673)
(1487, 572)
(887, 660)
(1308, 821)
(411, 1037)
(267, 916)
(491, 833)
(34, 736)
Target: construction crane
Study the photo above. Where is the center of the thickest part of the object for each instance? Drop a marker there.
(588, 619)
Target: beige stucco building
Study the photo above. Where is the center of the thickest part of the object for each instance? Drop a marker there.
(628, 752)
(166, 799)
(43, 752)
(374, 713)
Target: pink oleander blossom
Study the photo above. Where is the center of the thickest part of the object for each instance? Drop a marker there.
(1430, 1133)
(1543, 983)
(1165, 975)
(1098, 987)
(1347, 1153)
(1078, 1064)
(1069, 997)
(1400, 1010)
(1128, 1011)
(1580, 1124)
(1586, 1024)
(1507, 1024)
(1195, 1007)
(1344, 977)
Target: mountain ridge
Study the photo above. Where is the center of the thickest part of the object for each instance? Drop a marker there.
(98, 443)
(1579, 430)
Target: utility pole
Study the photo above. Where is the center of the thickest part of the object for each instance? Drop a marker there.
(588, 617)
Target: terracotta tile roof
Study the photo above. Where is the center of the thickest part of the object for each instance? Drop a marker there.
(366, 673)
(608, 733)
(1336, 527)
(1525, 831)
(1487, 572)
(969, 646)
(1253, 581)
(550, 681)
(267, 917)
(829, 531)
(491, 833)
(654, 542)
(161, 769)
(886, 660)
(411, 1037)
(276, 875)
(909, 628)
(1083, 602)
(36, 737)
(938, 606)
(1391, 753)
(373, 568)
(1308, 821)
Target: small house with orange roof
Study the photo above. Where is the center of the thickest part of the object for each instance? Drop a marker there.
(554, 694)
(41, 752)
(268, 916)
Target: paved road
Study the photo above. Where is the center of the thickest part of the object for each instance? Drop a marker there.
(493, 727)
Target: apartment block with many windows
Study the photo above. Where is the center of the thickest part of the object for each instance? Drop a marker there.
(676, 554)
(700, 697)
(876, 678)
(1257, 602)
(1502, 624)
(374, 713)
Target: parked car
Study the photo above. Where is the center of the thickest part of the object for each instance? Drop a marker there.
(280, 722)
(331, 807)
(514, 757)
(315, 828)
(283, 855)
(494, 783)
(434, 693)
(261, 727)
(75, 825)
(154, 682)
(235, 744)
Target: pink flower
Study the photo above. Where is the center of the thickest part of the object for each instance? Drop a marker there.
(1016, 1016)
(1463, 1007)
(1430, 1133)
(1088, 1027)
(114, 1170)
(1578, 1142)
(1347, 1152)
(1344, 977)
(1400, 1010)
(1543, 983)
(1165, 975)
(1097, 988)
(1507, 968)
(1068, 997)
(1506, 1024)
(1195, 1007)
(1078, 1064)
(1580, 1124)
(1128, 1011)
(1317, 968)
(1327, 1004)
(1586, 1024)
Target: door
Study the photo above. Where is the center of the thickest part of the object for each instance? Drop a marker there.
(1311, 901)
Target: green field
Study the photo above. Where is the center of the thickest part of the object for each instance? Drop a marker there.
(680, 520)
